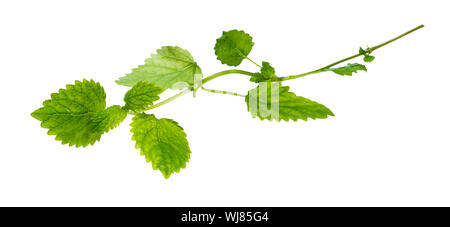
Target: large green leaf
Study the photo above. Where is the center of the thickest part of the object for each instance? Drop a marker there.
(77, 114)
(171, 67)
(273, 102)
(162, 142)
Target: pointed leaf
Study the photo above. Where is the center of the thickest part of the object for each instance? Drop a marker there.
(273, 102)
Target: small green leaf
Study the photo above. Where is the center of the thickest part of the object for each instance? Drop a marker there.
(77, 114)
(273, 102)
(172, 67)
(142, 95)
(267, 70)
(369, 58)
(349, 69)
(267, 73)
(362, 51)
(162, 142)
(233, 47)
(366, 53)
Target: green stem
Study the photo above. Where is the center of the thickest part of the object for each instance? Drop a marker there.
(222, 92)
(244, 56)
(231, 71)
(169, 99)
(205, 80)
(252, 61)
(370, 49)
(398, 37)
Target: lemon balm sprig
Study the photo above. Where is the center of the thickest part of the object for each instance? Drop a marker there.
(78, 115)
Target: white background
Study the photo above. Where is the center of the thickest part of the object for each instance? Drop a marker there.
(387, 146)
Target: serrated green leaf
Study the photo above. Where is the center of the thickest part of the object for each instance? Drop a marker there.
(162, 142)
(349, 69)
(233, 47)
(274, 102)
(267, 73)
(142, 95)
(172, 67)
(77, 114)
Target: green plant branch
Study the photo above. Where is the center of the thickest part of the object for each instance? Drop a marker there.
(163, 141)
(247, 73)
(369, 50)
